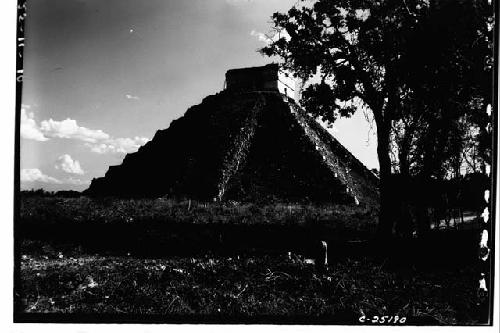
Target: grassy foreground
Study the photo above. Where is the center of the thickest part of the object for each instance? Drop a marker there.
(190, 261)
(245, 288)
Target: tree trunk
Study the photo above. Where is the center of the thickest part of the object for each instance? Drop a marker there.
(404, 222)
(386, 221)
(426, 191)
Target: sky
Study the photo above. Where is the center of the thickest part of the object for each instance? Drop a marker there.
(101, 77)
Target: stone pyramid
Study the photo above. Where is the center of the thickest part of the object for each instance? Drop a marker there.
(249, 143)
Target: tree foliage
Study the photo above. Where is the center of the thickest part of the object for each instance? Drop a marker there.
(449, 87)
(359, 48)
(417, 65)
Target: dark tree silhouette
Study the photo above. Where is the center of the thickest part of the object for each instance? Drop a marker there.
(359, 49)
(395, 59)
(439, 128)
(450, 83)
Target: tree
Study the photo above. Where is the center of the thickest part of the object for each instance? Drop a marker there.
(449, 80)
(359, 49)
(409, 62)
(437, 131)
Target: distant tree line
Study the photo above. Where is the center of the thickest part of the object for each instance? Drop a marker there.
(43, 193)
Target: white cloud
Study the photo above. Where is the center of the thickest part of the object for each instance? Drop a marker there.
(261, 36)
(35, 175)
(267, 39)
(118, 145)
(75, 181)
(69, 129)
(99, 141)
(29, 127)
(128, 96)
(68, 165)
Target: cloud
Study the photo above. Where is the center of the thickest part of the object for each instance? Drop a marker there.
(69, 129)
(261, 36)
(127, 96)
(267, 39)
(75, 181)
(118, 145)
(97, 140)
(29, 127)
(35, 175)
(68, 165)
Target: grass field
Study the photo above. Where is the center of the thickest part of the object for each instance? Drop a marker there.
(188, 261)
(48, 210)
(244, 287)
(161, 226)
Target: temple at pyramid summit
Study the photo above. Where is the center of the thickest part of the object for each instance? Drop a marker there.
(268, 78)
(251, 142)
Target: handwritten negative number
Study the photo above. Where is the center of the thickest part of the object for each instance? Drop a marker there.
(382, 319)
